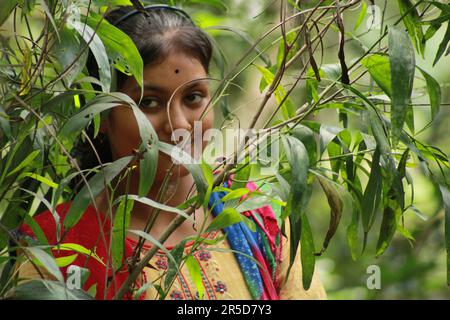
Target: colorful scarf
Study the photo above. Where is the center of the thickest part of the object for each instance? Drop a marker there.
(257, 253)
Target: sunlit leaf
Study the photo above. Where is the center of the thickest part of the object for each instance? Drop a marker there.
(235, 194)
(195, 272)
(379, 68)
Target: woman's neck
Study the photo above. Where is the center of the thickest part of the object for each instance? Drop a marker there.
(176, 193)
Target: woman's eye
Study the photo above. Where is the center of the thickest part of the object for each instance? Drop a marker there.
(149, 103)
(194, 98)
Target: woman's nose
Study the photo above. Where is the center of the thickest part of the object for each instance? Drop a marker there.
(176, 118)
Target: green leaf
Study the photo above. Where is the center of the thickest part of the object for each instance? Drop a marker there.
(95, 185)
(37, 230)
(297, 157)
(7, 7)
(413, 24)
(291, 36)
(121, 223)
(361, 16)
(300, 193)
(174, 265)
(327, 134)
(446, 200)
(196, 274)
(80, 249)
(25, 162)
(256, 202)
(81, 119)
(306, 136)
(66, 261)
(155, 204)
(208, 175)
(379, 132)
(379, 68)
(387, 229)
(47, 290)
(227, 217)
(47, 261)
(49, 16)
(98, 50)
(119, 46)
(39, 178)
(4, 123)
(372, 194)
(434, 92)
(150, 147)
(242, 174)
(352, 233)
(443, 45)
(401, 54)
(336, 206)
(235, 194)
(307, 253)
(287, 108)
(92, 291)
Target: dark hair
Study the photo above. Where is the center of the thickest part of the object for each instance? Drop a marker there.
(155, 34)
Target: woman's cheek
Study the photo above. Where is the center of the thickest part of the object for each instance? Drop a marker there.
(124, 132)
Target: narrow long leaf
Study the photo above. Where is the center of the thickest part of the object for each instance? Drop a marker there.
(434, 92)
(402, 62)
(307, 253)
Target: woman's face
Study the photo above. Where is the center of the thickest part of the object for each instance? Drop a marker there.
(175, 74)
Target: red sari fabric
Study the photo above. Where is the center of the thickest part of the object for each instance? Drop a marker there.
(87, 233)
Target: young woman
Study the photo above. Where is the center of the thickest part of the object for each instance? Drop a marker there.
(237, 263)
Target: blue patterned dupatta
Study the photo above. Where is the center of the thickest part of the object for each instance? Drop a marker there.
(257, 253)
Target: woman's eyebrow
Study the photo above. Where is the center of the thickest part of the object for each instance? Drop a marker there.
(194, 83)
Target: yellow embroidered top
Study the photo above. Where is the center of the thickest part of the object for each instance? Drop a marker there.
(222, 278)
